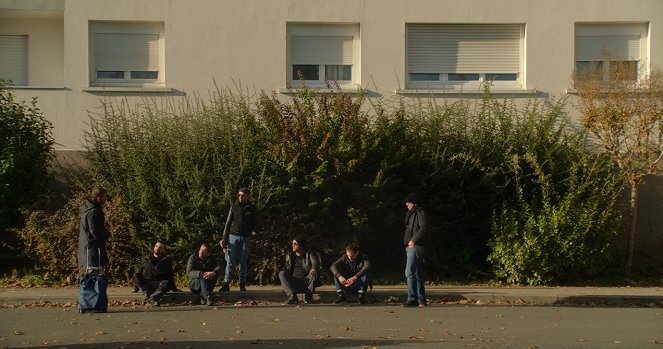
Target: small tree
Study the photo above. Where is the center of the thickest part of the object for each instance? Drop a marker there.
(622, 106)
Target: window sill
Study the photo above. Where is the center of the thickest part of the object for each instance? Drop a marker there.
(36, 88)
(146, 89)
(320, 90)
(465, 92)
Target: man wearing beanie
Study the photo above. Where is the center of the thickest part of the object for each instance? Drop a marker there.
(416, 239)
(241, 225)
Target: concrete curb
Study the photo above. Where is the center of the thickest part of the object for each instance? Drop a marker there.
(619, 296)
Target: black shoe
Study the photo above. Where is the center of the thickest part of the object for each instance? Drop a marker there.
(203, 300)
(208, 300)
(242, 286)
(340, 299)
(135, 290)
(308, 298)
(153, 302)
(411, 304)
(292, 300)
(423, 304)
(225, 287)
(361, 299)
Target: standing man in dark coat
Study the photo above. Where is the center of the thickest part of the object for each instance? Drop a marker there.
(416, 240)
(93, 234)
(156, 275)
(241, 225)
(352, 274)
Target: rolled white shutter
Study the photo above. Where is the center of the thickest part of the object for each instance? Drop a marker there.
(617, 47)
(333, 50)
(14, 58)
(126, 52)
(463, 48)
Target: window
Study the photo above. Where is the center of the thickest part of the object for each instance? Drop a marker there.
(14, 59)
(317, 53)
(455, 55)
(126, 54)
(612, 50)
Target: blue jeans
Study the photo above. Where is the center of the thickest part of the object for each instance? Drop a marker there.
(415, 279)
(359, 286)
(238, 246)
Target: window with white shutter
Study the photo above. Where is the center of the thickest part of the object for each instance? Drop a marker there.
(320, 53)
(448, 55)
(600, 46)
(14, 59)
(126, 53)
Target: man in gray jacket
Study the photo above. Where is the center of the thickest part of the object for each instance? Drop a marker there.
(203, 269)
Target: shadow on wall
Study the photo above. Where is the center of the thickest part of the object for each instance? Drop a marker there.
(649, 233)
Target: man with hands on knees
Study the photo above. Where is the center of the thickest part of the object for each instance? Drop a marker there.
(203, 269)
(352, 274)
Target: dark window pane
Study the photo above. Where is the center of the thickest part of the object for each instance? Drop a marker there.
(306, 72)
(338, 72)
(463, 77)
(592, 70)
(623, 70)
(501, 77)
(424, 77)
(145, 75)
(110, 75)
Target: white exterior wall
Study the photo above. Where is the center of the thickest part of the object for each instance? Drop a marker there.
(245, 41)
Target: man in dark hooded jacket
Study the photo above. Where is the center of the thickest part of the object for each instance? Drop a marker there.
(416, 240)
(93, 233)
(156, 275)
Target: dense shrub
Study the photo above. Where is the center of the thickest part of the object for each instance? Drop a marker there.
(25, 154)
(336, 167)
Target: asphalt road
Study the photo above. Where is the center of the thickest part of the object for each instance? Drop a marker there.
(334, 326)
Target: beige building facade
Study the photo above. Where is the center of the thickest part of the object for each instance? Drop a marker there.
(72, 53)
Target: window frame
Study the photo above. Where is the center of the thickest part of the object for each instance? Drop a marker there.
(126, 27)
(444, 80)
(26, 60)
(612, 29)
(323, 29)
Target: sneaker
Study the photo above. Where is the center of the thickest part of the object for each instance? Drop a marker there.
(340, 299)
(135, 290)
(225, 287)
(411, 304)
(203, 300)
(242, 286)
(153, 302)
(208, 300)
(423, 304)
(361, 299)
(308, 298)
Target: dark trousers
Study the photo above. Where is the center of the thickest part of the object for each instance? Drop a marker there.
(292, 285)
(202, 286)
(359, 286)
(151, 288)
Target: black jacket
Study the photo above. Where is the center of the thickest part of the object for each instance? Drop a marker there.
(92, 236)
(155, 269)
(195, 266)
(242, 220)
(346, 268)
(310, 261)
(416, 230)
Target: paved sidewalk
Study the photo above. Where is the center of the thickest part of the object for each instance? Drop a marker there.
(638, 296)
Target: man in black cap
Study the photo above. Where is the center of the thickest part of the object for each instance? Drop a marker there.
(416, 239)
(241, 225)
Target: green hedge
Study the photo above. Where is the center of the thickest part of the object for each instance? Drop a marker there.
(336, 167)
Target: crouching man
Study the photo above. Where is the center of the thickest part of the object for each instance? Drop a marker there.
(203, 269)
(352, 274)
(155, 276)
(300, 274)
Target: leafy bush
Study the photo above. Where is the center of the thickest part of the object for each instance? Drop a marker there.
(52, 240)
(25, 154)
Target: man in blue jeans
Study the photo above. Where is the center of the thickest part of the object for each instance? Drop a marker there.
(416, 239)
(203, 270)
(241, 225)
(352, 274)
